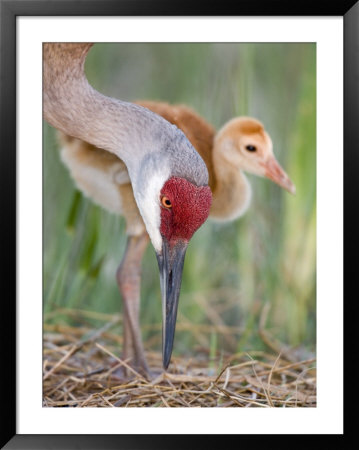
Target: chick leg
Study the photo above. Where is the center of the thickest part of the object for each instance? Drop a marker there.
(129, 282)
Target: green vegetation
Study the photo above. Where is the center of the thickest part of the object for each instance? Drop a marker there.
(232, 270)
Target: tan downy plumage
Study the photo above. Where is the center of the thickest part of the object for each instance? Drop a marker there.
(103, 177)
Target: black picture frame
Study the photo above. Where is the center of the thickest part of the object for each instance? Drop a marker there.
(9, 10)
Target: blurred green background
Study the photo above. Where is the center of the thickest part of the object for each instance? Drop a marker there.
(267, 257)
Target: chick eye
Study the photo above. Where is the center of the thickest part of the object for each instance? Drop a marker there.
(251, 148)
(166, 202)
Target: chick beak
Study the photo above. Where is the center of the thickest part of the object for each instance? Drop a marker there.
(275, 172)
(170, 263)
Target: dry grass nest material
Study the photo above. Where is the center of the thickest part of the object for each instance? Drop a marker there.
(78, 366)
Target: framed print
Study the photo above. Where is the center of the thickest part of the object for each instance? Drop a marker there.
(262, 298)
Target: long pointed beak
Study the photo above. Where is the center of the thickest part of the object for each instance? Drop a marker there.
(275, 172)
(170, 263)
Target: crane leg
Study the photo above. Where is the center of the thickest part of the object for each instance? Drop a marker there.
(128, 277)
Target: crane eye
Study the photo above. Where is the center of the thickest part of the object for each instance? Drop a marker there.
(166, 202)
(251, 148)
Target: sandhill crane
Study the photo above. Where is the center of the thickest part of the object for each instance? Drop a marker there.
(169, 180)
(240, 145)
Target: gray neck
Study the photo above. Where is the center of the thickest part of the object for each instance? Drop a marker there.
(129, 131)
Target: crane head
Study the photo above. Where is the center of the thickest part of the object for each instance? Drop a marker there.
(246, 144)
(184, 208)
(173, 208)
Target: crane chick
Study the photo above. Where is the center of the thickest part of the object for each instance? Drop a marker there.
(241, 145)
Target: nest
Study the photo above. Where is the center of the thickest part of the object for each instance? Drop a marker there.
(80, 367)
